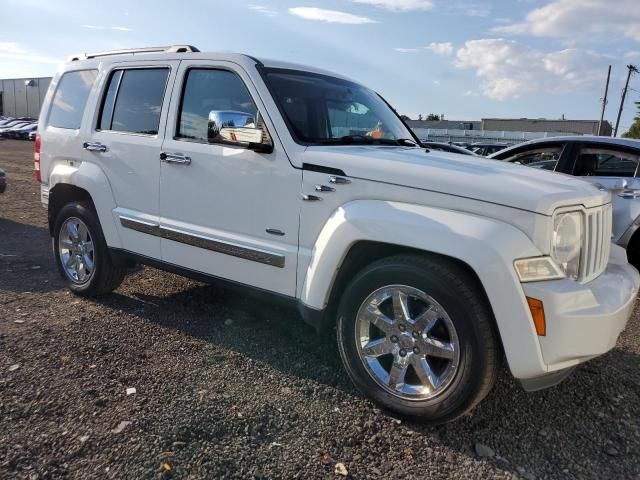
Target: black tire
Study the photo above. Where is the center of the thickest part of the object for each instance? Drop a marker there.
(466, 305)
(108, 273)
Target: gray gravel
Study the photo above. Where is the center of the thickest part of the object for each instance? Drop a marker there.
(227, 386)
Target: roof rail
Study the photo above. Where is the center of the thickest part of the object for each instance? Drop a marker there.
(133, 51)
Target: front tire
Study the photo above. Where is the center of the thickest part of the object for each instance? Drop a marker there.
(81, 252)
(416, 335)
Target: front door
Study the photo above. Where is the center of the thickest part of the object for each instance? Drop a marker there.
(225, 210)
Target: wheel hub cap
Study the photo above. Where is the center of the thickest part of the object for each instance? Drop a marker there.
(75, 247)
(407, 342)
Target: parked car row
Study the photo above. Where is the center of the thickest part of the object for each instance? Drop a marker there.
(22, 128)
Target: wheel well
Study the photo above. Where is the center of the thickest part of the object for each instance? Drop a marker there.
(62, 194)
(633, 249)
(363, 253)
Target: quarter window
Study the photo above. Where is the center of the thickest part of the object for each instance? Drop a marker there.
(209, 90)
(600, 162)
(70, 99)
(133, 101)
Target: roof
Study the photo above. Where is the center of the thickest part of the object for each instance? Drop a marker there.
(626, 142)
(136, 55)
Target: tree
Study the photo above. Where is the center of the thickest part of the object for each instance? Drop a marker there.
(433, 116)
(420, 117)
(404, 117)
(634, 130)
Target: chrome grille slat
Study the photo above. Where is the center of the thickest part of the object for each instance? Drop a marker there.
(597, 242)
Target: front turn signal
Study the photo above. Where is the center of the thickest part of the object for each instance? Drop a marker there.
(537, 313)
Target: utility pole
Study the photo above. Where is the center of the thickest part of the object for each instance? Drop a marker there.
(632, 69)
(604, 101)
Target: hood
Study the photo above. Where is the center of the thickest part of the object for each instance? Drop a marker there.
(477, 178)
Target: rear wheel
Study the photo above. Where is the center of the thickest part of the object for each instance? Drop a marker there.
(81, 252)
(416, 335)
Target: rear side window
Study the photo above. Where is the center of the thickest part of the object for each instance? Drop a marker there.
(603, 162)
(70, 99)
(133, 101)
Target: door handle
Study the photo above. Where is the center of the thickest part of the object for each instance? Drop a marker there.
(177, 158)
(94, 147)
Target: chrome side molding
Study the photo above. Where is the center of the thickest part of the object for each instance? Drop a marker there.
(227, 248)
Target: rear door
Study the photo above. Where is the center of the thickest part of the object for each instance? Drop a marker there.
(125, 142)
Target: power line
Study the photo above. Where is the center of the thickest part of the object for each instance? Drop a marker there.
(632, 69)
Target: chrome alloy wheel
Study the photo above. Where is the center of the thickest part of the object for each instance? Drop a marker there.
(407, 342)
(75, 247)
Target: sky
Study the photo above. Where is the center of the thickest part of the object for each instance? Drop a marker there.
(465, 59)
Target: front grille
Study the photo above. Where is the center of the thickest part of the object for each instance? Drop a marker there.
(597, 242)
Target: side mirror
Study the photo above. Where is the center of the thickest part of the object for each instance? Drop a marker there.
(238, 128)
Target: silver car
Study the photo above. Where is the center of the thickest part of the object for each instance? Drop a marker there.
(608, 162)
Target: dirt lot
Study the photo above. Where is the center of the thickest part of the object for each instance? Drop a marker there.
(230, 387)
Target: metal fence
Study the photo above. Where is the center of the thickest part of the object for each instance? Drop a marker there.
(470, 136)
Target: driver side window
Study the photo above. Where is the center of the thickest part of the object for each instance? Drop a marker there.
(544, 158)
(210, 90)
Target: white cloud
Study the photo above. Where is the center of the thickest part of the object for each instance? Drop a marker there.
(103, 27)
(17, 61)
(632, 54)
(399, 5)
(264, 10)
(471, 9)
(444, 48)
(329, 16)
(580, 18)
(510, 69)
(406, 50)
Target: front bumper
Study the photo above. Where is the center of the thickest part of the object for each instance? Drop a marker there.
(585, 320)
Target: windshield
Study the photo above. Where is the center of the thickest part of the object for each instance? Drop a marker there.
(320, 109)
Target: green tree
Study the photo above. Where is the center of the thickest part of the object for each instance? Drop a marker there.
(634, 130)
(433, 116)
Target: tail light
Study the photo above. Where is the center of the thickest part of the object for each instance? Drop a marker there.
(36, 159)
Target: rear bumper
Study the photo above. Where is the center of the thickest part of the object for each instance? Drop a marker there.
(585, 320)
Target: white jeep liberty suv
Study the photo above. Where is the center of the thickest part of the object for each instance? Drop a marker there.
(306, 186)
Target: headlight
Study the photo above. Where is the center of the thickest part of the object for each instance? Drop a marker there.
(566, 245)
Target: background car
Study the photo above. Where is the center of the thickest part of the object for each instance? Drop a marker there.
(32, 135)
(446, 147)
(22, 133)
(485, 149)
(3, 181)
(7, 132)
(610, 163)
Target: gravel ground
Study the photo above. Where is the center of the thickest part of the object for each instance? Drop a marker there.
(232, 388)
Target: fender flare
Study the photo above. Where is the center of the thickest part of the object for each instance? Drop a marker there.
(91, 178)
(487, 246)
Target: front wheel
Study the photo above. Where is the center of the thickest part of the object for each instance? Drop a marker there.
(416, 335)
(81, 252)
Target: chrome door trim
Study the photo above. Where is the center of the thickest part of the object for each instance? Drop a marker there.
(220, 246)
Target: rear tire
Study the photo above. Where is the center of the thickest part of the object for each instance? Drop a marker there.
(81, 252)
(433, 321)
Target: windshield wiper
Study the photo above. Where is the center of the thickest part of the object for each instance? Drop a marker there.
(365, 140)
